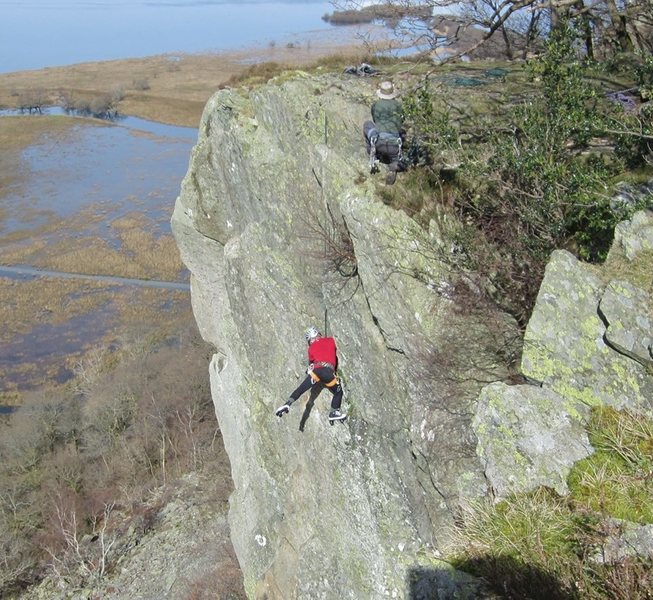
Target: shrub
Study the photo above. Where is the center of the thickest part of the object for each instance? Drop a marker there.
(141, 84)
(32, 101)
(530, 181)
(634, 128)
(644, 74)
(329, 239)
(103, 106)
(69, 462)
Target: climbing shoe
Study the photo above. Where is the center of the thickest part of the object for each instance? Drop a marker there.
(282, 410)
(391, 177)
(336, 415)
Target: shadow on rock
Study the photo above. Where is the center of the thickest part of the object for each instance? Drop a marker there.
(496, 578)
(315, 392)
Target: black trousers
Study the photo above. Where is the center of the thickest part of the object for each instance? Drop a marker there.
(326, 375)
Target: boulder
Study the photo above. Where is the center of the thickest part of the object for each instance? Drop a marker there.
(528, 437)
(628, 312)
(635, 235)
(565, 346)
(588, 343)
(622, 540)
(627, 195)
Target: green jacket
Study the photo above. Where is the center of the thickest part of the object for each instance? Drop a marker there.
(387, 115)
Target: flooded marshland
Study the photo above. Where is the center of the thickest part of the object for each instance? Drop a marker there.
(85, 204)
(88, 198)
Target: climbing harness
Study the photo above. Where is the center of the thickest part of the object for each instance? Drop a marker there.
(316, 378)
(325, 364)
(328, 384)
(322, 365)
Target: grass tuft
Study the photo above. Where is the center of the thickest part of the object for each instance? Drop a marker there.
(617, 480)
(544, 546)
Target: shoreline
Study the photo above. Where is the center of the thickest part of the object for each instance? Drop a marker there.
(174, 88)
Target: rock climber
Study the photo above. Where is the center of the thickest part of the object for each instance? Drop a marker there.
(384, 134)
(322, 369)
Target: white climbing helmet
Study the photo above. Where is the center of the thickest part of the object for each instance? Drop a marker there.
(311, 334)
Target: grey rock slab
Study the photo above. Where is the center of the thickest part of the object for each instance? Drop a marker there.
(628, 311)
(636, 234)
(624, 539)
(564, 343)
(528, 437)
(274, 195)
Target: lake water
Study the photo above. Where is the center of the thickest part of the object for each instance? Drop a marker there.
(43, 33)
(132, 165)
(85, 183)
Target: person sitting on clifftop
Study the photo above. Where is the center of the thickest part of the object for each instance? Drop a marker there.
(322, 369)
(384, 135)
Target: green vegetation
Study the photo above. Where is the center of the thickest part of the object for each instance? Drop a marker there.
(532, 171)
(545, 546)
(616, 479)
(634, 133)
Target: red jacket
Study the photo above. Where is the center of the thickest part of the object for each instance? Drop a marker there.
(323, 349)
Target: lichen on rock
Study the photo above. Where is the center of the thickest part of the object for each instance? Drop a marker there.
(521, 431)
(565, 345)
(281, 226)
(587, 344)
(278, 186)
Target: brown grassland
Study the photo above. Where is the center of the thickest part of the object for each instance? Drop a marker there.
(167, 89)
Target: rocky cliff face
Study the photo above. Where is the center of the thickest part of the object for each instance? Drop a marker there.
(282, 228)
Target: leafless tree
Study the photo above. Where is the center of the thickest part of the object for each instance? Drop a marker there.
(76, 554)
(33, 101)
(463, 27)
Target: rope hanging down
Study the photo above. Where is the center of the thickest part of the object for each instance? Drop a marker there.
(324, 203)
